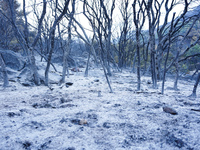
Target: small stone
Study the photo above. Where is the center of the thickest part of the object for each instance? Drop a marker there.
(148, 82)
(27, 84)
(12, 114)
(106, 125)
(67, 105)
(63, 100)
(170, 110)
(138, 103)
(117, 105)
(82, 122)
(96, 80)
(68, 83)
(75, 121)
(78, 121)
(35, 96)
(70, 148)
(26, 145)
(35, 105)
(75, 70)
(99, 94)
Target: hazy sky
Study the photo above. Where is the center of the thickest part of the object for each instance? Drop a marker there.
(83, 20)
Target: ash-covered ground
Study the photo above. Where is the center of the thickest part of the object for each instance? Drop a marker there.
(86, 116)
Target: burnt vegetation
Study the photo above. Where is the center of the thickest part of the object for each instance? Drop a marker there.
(149, 37)
(146, 37)
(43, 43)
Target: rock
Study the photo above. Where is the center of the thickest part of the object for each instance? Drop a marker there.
(75, 70)
(67, 105)
(35, 95)
(75, 121)
(45, 105)
(82, 122)
(12, 114)
(99, 94)
(107, 125)
(26, 145)
(63, 100)
(148, 81)
(79, 122)
(70, 148)
(68, 83)
(138, 103)
(96, 80)
(35, 105)
(26, 77)
(117, 105)
(13, 60)
(170, 110)
(27, 84)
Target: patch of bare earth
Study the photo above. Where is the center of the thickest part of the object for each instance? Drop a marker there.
(85, 116)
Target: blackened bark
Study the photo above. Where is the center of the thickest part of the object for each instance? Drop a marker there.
(195, 87)
(137, 18)
(4, 71)
(87, 66)
(177, 76)
(168, 49)
(67, 51)
(52, 38)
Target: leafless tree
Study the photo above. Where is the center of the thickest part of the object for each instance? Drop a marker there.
(52, 39)
(175, 26)
(123, 53)
(66, 52)
(4, 71)
(195, 87)
(28, 48)
(101, 23)
(152, 26)
(139, 19)
(100, 15)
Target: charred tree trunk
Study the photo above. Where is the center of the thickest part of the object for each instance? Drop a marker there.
(4, 71)
(24, 40)
(177, 75)
(195, 87)
(87, 66)
(153, 61)
(52, 38)
(168, 49)
(67, 51)
(138, 61)
(134, 61)
(139, 19)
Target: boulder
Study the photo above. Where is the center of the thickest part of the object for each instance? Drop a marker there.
(170, 110)
(13, 60)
